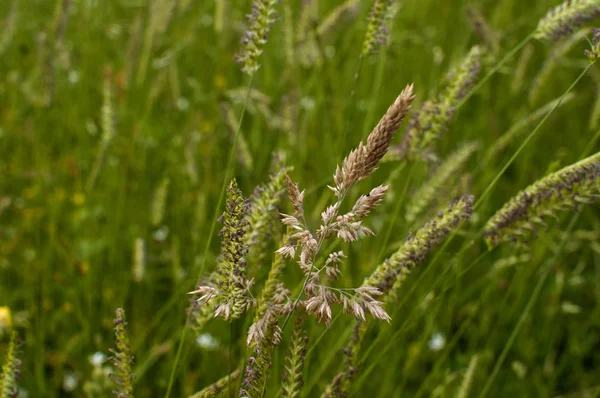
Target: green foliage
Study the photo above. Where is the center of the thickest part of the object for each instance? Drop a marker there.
(116, 128)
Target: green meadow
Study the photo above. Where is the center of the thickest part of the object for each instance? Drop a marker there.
(123, 121)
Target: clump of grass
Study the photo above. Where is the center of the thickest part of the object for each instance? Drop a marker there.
(11, 369)
(563, 19)
(524, 214)
(122, 358)
(262, 216)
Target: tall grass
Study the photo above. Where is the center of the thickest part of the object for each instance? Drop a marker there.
(131, 132)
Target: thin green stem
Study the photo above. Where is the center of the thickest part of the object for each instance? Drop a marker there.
(495, 69)
(228, 169)
(528, 307)
(529, 138)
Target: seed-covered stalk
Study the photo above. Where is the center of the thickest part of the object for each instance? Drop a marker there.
(122, 358)
(292, 379)
(341, 383)
(11, 369)
(565, 189)
(435, 116)
(262, 17)
(388, 276)
(377, 31)
(231, 290)
(263, 213)
(564, 18)
(108, 127)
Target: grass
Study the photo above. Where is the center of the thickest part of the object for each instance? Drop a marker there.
(67, 246)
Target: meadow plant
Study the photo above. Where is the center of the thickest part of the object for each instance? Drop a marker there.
(565, 18)
(377, 30)
(122, 358)
(262, 17)
(435, 116)
(11, 369)
(529, 210)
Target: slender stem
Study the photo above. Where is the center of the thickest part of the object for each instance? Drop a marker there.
(495, 69)
(528, 307)
(229, 167)
(529, 137)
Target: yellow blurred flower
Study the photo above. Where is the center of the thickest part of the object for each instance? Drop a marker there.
(5, 319)
(78, 199)
(220, 81)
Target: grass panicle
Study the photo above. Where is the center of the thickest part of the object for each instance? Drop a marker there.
(377, 30)
(435, 116)
(565, 18)
(388, 276)
(260, 21)
(122, 358)
(231, 290)
(529, 210)
(108, 127)
(294, 364)
(11, 369)
(363, 160)
(341, 383)
(139, 260)
(441, 181)
(262, 216)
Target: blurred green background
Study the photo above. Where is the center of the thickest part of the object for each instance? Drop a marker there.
(67, 237)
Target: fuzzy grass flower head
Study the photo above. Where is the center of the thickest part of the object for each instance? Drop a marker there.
(527, 212)
(261, 19)
(565, 18)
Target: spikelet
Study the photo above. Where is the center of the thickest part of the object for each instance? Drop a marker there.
(546, 73)
(388, 276)
(262, 17)
(218, 386)
(465, 387)
(263, 213)
(292, 383)
(443, 177)
(230, 289)
(11, 369)
(159, 202)
(518, 128)
(564, 18)
(363, 160)
(122, 358)
(377, 31)
(139, 260)
(273, 286)
(108, 127)
(525, 213)
(594, 52)
(288, 34)
(341, 383)
(435, 116)
(231, 275)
